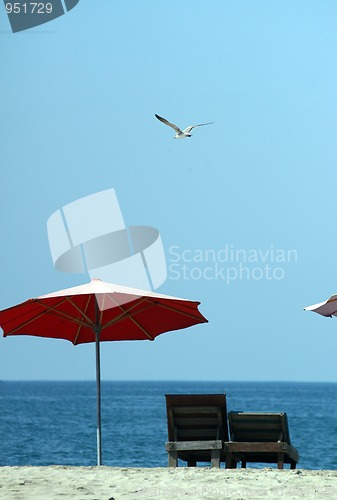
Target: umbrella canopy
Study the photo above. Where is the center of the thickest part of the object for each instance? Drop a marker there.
(327, 308)
(100, 311)
(124, 314)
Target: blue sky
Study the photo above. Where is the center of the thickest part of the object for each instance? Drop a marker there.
(78, 101)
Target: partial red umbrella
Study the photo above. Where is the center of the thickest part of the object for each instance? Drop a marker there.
(328, 308)
(100, 311)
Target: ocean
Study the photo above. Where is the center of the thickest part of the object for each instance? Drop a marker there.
(47, 423)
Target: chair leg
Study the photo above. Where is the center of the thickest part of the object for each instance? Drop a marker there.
(243, 464)
(293, 465)
(230, 463)
(191, 463)
(215, 458)
(280, 460)
(172, 458)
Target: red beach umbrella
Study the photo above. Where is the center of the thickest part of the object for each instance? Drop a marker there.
(96, 312)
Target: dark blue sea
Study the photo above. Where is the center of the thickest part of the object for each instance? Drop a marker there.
(44, 423)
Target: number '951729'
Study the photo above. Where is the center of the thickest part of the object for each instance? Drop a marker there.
(29, 8)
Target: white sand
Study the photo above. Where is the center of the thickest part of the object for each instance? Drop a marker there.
(104, 483)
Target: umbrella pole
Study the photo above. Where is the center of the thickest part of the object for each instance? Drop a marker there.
(98, 384)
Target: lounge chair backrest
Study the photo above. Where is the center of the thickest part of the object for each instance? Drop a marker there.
(196, 417)
(258, 427)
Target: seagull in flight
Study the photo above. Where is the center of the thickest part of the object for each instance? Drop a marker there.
(181, 134)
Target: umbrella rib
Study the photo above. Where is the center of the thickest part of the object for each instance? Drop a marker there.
(79, 326)
(47, 309)
(125, 312)
(90, 322)
(60, 313)
(201, 320)
(142, 329)
(27, 322)
(128, 314)
(101, 311)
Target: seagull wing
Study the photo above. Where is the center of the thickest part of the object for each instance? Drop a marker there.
(191, 127)
(177, 129)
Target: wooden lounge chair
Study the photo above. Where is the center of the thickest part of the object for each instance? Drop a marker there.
(259, 437)
(197, 428)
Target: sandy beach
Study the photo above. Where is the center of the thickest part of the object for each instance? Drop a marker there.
(108, 483)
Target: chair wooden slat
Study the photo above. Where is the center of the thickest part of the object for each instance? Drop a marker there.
(260, 437)
(197, 423)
